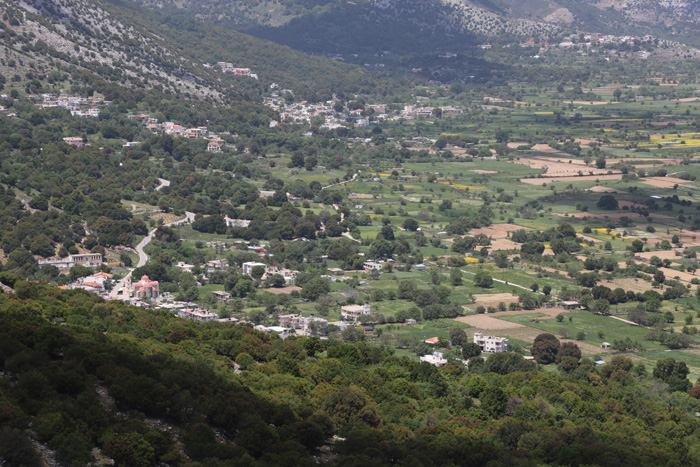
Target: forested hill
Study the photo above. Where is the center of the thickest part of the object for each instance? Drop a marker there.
(146, 388)
(128, 45)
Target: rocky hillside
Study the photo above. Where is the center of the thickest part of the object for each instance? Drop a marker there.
(126, 44)
(41, 35)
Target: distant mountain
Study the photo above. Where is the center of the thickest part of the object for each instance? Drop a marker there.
(333, 26)
(123, 43)
(679, 19)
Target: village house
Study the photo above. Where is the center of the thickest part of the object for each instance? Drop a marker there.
(182, 266)
(236, 222)
(569, 304)
(199, 132)
(248, 267)
(370, 266)
(197, 315)
(491, 344)
(222, 297)
(74, 141)
(90, 260)
(355, 311)
(288, 275)
(87, 259)
(260, 249)
(217, 265)
(435, 359)
(95, 283)
(171, 128)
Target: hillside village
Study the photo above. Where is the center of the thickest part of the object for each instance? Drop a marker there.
(332, 117)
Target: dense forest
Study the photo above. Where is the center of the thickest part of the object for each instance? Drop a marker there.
(146, 388)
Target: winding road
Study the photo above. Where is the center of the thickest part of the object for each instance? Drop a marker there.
(163, 184)
(118, 288)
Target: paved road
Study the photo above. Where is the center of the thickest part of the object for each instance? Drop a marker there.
(163, 183)
(143, 257)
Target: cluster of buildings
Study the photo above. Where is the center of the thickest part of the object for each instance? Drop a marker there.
(97, 283)
(288, 275)
(227, 67)
(215, 143)
(78, 106)
(488, 344)
(304, 326)
(304, 112)
(591, 41)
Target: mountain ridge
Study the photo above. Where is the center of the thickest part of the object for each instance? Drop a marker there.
(486, 19)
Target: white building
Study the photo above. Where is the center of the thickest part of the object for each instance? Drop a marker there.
(355, 311)
(491, 343)
(248, 267)
(370, 266)
(435, 359)
(236, 222)
(288, 275)
(182, 266)
(197, 315)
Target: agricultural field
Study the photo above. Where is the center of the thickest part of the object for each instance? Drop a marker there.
(497, 217)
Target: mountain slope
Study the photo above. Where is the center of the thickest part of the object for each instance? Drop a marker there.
(125, 44)
(333, 26)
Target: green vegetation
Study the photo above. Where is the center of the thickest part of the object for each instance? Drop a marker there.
(155, 389)
(551, 201)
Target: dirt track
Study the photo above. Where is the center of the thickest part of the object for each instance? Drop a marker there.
(584, 178)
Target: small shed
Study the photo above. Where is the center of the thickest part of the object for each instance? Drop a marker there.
(606, 345)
